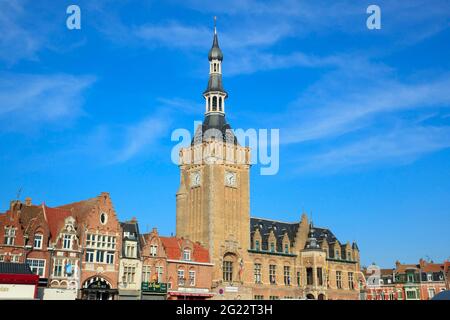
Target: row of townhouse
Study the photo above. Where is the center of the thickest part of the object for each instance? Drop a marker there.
(82, 251)
(420, 281)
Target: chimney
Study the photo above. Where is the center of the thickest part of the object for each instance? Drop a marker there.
(422, 263)
(397, 264)
(28, 201)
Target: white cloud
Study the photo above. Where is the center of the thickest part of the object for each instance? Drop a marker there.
(33, 100)
(398, 146)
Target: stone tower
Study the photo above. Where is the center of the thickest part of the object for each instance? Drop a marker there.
(213, 199)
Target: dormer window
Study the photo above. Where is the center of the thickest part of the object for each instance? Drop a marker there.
(430, 277)
(257, 245)
(187, 254)
(272, 247)
(286, 248)
(37, 241)
(67, 241)
(336, 254)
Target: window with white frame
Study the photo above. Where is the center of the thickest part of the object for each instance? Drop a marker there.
(89, 255)
(257, 272)
(110, 257)
(153, 250)
(15, 258)
(37, 241)
(130, 249)
(350, 281)
(129, 274)
(146, 273)
(431, 293)
(187, 254)
(10, 236)
(272, 274)
(58, 268)
(191, 278)
(429, 276)
(159, 273)
(2, 257)
(339, 279)
(181, 277)
(287, 275)
(37, 266)
(67, 241)
(98, 246)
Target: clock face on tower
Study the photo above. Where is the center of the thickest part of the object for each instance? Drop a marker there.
(230, 178)
(195, 178)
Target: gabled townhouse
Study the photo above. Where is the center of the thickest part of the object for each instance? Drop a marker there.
(130, 270)
(154, 283)
(101, 241)
(65, 255)
(189, 269)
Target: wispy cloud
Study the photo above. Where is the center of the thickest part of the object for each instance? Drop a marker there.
(399, 146)
(341, 103)
(33, 100)
(17, 42)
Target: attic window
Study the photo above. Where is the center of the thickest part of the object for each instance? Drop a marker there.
(272, 247)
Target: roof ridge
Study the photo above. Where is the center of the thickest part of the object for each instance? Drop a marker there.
(274, 220)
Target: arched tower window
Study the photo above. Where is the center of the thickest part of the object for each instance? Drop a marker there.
(220, 104)
(209, 103)
(214, 103)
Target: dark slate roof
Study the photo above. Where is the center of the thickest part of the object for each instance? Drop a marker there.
(324, 234)
(133, 228)
(215, 84)
(214, 126)
(14, 268)
(279, 229)
(215, 52)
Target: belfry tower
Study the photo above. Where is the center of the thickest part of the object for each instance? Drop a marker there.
(213, 199)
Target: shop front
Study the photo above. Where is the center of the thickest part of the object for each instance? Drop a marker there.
(190, 294)
(17, 282)
(97, 288)
(154, 291)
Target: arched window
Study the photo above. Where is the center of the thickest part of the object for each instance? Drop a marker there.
(214, 103)
(228, 264)
(209, 103)
(215, 67)
(220, 104)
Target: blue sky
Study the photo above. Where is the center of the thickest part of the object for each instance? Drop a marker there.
(364, 115)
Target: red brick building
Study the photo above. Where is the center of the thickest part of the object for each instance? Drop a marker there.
(189, 270)
(100, 235)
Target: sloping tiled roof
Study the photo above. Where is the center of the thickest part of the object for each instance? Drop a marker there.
(55, 219)
(401, 268)
(172, 247)
(81, 208)
(432, 267)
(14, 268)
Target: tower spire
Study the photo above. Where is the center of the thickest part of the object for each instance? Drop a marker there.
(215, 29)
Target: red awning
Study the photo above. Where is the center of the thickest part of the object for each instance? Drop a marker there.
(190, 294)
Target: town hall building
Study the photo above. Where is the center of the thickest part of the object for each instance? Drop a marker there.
(254, 258)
